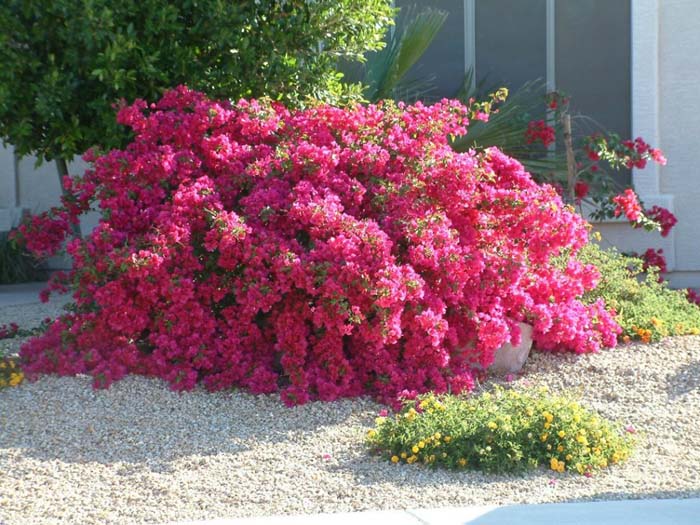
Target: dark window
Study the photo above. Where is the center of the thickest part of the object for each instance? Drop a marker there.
(511, 42)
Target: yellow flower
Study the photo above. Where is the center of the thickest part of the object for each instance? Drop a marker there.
(415, 449)
(371, 433)
(379, 420)
(549, 417)
(394, 459)
(404, 455)
(560, 448)
(437, 435)
(448, 439)
(569, 457)
(492, 425)
(554, 464)
(547, 425)
(421, 444)
(15, 379)
(462, 462)
(561, 433)
(544, 437)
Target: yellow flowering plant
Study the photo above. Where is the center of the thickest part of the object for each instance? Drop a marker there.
(10, 372)
(647, 309)
(505, 430)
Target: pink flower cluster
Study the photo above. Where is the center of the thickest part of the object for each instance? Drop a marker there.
(693, 296)
(538, 130)
(656, 258)
(627, 203)
(321, 253)
(636, 153)
(8, 331)
(664, 217)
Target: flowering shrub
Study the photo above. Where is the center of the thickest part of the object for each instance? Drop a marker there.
(323, 252)
(12, 330)
(539, 131)
(10, 372)
(652, 257)
(647, 308)
(508, 430)
(8, 331)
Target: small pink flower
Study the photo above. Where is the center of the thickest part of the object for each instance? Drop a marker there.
(630, 429)
(510, 377)
(326, 457)
(588, 474)
(383, 412)
(552, 482)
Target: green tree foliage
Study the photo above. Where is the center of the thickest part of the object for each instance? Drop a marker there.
(65, 63)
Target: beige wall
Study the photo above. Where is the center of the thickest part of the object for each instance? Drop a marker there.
(666, 112)
(38, 190)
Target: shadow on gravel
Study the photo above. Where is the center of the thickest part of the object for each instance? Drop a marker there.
(139, 422)
(684, 381)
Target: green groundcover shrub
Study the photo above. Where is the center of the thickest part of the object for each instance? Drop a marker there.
(507, 430)
(647, 309)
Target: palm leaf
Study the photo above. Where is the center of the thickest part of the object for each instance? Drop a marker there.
(386, 70)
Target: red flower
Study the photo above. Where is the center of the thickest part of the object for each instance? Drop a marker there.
(581, 189)
(665, 218)
(538, 130)
(628, 204)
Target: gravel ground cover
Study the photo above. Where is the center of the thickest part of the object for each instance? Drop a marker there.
(139, 453)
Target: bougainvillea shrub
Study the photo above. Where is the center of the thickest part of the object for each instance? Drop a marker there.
(321, 253)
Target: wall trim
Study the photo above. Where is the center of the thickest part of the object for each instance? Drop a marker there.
(645, 88)
(470, 39)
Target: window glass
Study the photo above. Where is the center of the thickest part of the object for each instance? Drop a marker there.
(593, 43)
(510, 42)
(444, 58)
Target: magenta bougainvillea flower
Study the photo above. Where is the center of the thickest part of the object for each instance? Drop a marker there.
(318, 253)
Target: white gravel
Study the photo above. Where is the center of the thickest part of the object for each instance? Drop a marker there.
(139, 453)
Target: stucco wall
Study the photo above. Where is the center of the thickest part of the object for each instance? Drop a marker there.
(679, 123)
(666, 112)
(37, 189)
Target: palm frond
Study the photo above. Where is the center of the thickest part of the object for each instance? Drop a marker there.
(386, 70)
